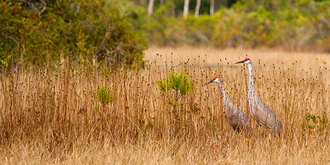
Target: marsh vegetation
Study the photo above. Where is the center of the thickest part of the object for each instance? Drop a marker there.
(71, 113)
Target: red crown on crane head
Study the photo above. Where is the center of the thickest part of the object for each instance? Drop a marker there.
(247, 59)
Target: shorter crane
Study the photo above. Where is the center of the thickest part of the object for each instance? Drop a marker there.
(235, 117)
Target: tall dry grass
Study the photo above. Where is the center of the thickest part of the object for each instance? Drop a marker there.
(52, 115)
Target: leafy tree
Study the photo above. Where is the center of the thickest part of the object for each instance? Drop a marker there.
(38, 31)
(182, 85)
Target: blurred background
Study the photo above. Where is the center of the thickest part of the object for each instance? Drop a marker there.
(36, 31)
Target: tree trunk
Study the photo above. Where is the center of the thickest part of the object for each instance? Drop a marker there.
(150, 7)
(198, 5)
(162, 2)
(212, 7)
(186, 8)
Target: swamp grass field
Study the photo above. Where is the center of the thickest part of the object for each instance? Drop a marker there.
(77, 114)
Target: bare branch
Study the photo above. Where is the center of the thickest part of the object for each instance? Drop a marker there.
(37, 8)
(102, 43)
(44, 7)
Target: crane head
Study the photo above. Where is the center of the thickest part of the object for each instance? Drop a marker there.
(245, 61)
(215, 79)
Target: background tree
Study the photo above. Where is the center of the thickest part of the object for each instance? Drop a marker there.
(39, 31)
(186, 8)
(150, 7)
(198, 5)
(212, 7)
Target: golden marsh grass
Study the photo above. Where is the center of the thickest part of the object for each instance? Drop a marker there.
(53, 115)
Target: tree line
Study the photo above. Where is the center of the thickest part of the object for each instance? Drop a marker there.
(288, 24)
(185, 6)
(116, 32)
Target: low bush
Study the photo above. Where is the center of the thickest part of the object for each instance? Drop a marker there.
(38, 31)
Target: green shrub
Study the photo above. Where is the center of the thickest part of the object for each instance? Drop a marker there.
(83, 29)
(228, 31)
(182, 85)
(179, 82)
(258, 27)
(104, 95)
(321, 123)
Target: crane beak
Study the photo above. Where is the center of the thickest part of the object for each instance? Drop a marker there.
(240, 62)
(210, 82)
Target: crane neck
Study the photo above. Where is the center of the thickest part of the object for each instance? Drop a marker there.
(251, 83)
(222, 91)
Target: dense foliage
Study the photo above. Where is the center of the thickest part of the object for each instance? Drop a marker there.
(38, 31)
(116, 31)
(293, 25)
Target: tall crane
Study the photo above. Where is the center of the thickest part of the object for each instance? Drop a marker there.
(258, 109)
(235, 117)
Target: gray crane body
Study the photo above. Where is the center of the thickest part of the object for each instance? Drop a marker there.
(235, 117)
(260, 111)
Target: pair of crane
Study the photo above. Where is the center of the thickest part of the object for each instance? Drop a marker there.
(258, 109)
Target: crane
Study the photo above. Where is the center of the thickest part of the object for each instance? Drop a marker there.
(235, 117)
(258, 109)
